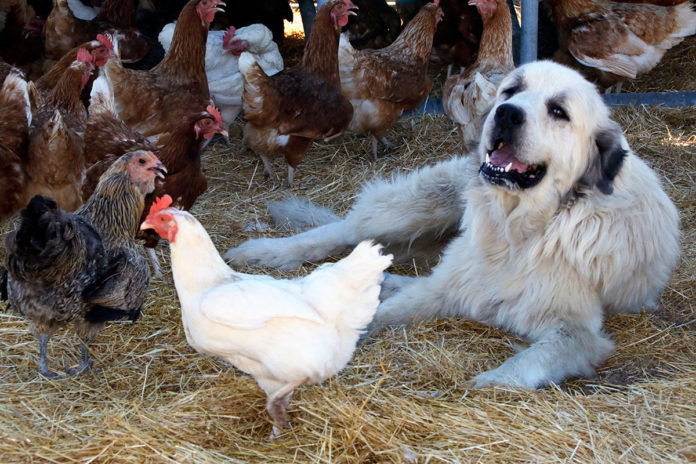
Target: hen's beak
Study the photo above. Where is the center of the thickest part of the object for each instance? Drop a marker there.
(217, 6)
(146, 225)
(351, 6)
(159, 169)
(225, 136)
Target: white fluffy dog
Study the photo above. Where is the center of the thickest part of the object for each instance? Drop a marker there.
(559, 223)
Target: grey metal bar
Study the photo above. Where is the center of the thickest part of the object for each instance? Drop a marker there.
(668, 99)
(530, 27)
(516, 31)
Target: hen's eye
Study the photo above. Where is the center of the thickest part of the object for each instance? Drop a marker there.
(141, 161)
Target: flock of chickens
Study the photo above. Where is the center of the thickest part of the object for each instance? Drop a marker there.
(101, 152)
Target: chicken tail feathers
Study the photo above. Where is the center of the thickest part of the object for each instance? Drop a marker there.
(348, 291)
(363, 270)
(99, 313)
(254, 85)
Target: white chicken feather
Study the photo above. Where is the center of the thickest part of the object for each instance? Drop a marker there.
(284, 333)
(225, 82)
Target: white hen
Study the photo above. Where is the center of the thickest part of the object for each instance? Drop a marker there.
(284, 333)
(221, 56)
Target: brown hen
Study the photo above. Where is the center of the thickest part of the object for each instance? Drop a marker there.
(381, 84)
(285, 112)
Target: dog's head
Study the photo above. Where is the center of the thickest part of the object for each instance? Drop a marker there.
(549, 127)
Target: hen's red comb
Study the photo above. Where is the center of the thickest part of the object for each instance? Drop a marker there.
(437, 2)
(159, 204)
(84, 56)
(229, 35)
(105, 41)
(214, 113)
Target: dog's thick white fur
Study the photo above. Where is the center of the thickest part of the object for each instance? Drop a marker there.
(576, 227)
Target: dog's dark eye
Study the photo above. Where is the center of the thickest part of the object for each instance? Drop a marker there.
(557, 112)
(510, 91)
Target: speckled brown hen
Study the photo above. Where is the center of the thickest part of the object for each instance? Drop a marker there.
(83, 268)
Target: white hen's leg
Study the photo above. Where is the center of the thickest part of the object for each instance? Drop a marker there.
(374, 148)
(277, 404)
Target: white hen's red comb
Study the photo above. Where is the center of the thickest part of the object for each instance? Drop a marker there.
(159, 204)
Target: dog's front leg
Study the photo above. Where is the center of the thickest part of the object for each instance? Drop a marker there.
(561, 352)
(420, 298)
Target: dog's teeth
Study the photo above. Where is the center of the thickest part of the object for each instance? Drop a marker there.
(488, 158)
(508, 167)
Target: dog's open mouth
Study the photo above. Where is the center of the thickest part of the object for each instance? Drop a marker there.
(503, 168)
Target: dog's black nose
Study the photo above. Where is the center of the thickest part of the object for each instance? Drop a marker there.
(509, 115)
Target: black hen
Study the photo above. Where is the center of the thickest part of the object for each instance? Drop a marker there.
(51, 259)
(375, 26)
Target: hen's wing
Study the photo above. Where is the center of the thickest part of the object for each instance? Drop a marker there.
(606, 45)
(120, 291)
(251, 303)
(383, 75)
(311, 107)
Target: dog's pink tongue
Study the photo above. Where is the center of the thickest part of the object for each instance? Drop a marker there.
(504, 156)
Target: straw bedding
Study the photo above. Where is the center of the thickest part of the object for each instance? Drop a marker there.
(403, 398)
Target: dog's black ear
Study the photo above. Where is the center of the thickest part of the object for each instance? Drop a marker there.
(606, 160)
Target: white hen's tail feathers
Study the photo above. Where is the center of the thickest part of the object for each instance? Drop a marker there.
(347, 291)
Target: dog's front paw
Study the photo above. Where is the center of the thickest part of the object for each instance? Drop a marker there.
(261, 252)
(499, 376)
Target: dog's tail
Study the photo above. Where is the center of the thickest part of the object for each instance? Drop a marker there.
(299, 214)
